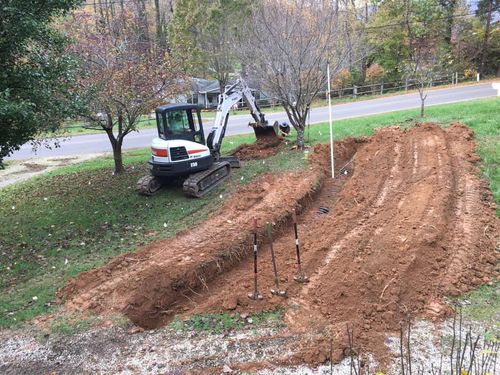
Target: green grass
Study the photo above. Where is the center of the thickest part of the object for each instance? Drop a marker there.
(75, 218)
(482, 304)
(219, 323)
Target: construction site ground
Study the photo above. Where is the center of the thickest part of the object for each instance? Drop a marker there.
(406, 224)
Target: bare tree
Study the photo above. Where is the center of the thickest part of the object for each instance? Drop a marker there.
(288, 47)
(423, 21)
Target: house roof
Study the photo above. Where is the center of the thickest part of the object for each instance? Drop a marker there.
(209, 86)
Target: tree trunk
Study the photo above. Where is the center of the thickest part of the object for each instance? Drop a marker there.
(423, 96)
(485, 40)
(117, 156)
(116, 144)
(143, 25)
(160, 32)
(300, 138)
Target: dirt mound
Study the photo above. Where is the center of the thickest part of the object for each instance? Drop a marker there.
(263, 147)
(413, 224)
(406, 223)
(152, 284)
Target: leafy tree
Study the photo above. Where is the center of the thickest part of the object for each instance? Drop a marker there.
(411, 40)
(486, 11)
(207, 31)
(342, 80)
(387, 37)
(423, 21)
(374, 73)
(36, 75)
(122, 79)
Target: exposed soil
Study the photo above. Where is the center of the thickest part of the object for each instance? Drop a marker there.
(408, 222)
(22, 170)
(263, 147)
(154, 283)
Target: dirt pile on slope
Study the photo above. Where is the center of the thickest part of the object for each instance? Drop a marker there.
(406, 223)
(263, 147)
(412, 225)
(152, 284)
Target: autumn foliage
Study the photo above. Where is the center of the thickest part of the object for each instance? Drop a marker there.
(123, 76)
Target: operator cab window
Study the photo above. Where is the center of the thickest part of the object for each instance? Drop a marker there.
(177, 122)
(196, 124)
(161, 125)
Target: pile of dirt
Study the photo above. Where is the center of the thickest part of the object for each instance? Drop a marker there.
(154, 283)
(263, 147)
(408, 225)
(405, 224)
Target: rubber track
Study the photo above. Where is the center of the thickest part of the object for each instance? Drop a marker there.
(143, 186)
(191, 184)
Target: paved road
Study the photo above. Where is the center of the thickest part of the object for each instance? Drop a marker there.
(98, 143)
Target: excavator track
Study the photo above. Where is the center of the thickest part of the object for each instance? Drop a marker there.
(199, 184)
(148, 185)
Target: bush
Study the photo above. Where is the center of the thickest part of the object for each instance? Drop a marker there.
(374, 74)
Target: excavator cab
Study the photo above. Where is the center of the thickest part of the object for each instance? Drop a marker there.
(181, 150)
(180, 121)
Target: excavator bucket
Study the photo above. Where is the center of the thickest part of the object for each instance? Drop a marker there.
(265, 131)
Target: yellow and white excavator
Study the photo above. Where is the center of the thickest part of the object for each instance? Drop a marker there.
(182, 150)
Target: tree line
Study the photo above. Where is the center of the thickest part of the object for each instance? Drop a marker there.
(113, 61)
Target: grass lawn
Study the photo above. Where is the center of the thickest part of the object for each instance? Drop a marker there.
(75, 218)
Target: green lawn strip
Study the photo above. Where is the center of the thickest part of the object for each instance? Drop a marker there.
(482, 304)
(77, 217)
(223, 322)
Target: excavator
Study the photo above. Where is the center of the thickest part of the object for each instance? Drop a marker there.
(182, 151)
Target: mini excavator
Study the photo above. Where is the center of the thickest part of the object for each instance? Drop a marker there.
(181, 150)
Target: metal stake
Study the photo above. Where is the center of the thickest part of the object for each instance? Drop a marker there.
(255, 295)
(300, 277)
(276, 291)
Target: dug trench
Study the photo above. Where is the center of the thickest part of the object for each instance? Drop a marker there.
(406, 223)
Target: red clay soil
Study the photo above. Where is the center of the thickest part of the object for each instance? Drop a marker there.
(152, 284)
(409, 222)
(412, 225)
(263, 147)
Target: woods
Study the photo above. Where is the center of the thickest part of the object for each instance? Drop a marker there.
(112, 61)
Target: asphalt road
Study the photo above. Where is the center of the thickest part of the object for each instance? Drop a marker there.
(99, 143)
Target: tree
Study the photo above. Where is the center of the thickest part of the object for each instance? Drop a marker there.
(387, 37)
(423, 23)
(341, 80)
(486, 9)
(288, 47)
(122, 78)
(36, 75)
(207, 30)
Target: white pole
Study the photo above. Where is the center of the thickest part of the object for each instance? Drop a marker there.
(330, 119)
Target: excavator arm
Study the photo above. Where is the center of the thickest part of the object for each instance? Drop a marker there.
(231, 96)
